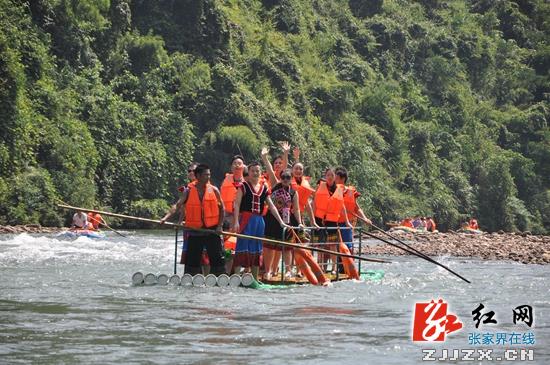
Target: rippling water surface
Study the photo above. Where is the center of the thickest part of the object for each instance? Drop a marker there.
(72, 302)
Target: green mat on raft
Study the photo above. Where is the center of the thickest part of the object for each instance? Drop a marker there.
(370, 275)
(258, 285)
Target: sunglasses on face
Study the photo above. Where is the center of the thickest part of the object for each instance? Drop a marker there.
(189, 171)
(285, 177)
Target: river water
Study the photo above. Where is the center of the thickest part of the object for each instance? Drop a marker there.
(72, 302)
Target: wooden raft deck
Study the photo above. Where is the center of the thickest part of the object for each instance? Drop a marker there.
(276, 280)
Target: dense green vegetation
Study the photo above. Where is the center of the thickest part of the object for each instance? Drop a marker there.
(436, 107)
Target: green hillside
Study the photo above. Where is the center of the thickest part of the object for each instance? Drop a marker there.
(436, 107)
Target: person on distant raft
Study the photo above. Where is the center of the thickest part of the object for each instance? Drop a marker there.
(422, 226)
(178, 207)
(407, 222)
(203, 209)
(430, 224)
(328, 207)
(80, 220)
(353, 210)
(416, 222)
(248, 209)
(228, 189)
(95, 219)
(473, 224)
(301, 184)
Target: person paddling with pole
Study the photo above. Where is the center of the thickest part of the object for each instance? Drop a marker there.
(203, 209)
(178, 207)
(96, 219)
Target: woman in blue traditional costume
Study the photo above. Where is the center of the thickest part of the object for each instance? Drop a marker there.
(251, 203)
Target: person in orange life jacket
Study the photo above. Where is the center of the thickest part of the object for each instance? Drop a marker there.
(430, 224)
(407, 222)
(203, 209)
(230, 186)
(328, 207)
(95, 219)
(352, 208)
(228, 189)
(301, 184)
(473, 224)
(247, 216)
(178, 207)
(179, 204)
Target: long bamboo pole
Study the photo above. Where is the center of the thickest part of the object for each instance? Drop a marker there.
(276, 242)
(409, 249)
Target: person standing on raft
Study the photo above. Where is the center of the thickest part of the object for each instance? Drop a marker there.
(328, 207)
(230, 185)
(179, 204)
(353, 210)
(273, 174)
(178, 207)
(248, 209)
(301, 184)
(228, 189)
(203, 209)
(286, 201)
(283, 200)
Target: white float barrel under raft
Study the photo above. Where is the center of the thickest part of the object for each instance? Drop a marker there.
(198, 280)
(137, 278)
(235, 280)
(174, 280)
(210, 280)
(223, 280)
(247, 279)
(150, 279)
(162, 279)
(187, 280)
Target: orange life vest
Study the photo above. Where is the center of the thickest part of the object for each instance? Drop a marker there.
(433, 227)
(350, 204)
(228, 191)
(349, 264)
(264, 178)
(201, 214)
(473, 224)
(230, 243)
(94, 219)
(406, 223)
(304, 191)
(328, 207)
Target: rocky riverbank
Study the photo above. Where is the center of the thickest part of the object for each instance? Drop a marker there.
(30, 228)
(521, 247)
